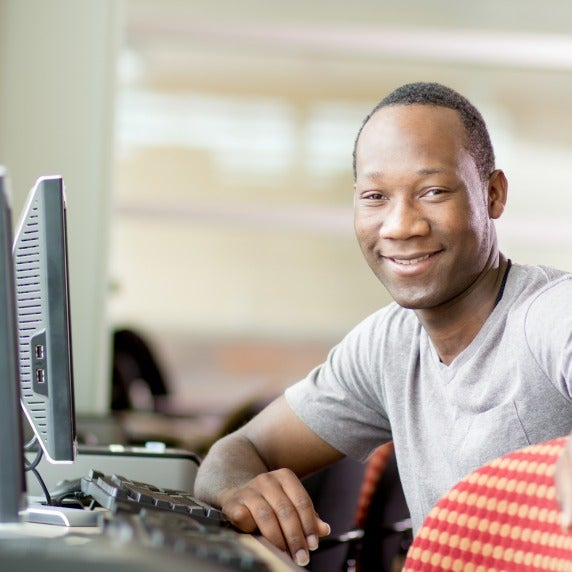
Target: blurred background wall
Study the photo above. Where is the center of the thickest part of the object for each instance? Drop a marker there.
(57, 99)
(207, 147)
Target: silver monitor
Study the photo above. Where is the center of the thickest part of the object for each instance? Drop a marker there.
(43, 318)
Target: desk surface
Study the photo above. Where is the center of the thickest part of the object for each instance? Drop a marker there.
(25, 546)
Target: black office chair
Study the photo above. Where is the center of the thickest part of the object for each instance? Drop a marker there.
(379, 534)
(135, 366)
(335, 492)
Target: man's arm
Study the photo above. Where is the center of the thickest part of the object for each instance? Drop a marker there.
(253, 475)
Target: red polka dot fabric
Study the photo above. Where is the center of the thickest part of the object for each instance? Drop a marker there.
(503, 517)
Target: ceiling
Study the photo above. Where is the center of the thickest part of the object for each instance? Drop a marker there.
(507, 16)
(506, 54)
(508, 34)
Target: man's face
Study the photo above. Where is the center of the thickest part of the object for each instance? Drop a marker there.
(421, 214)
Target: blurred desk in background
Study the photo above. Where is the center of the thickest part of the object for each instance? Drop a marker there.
(191, 432)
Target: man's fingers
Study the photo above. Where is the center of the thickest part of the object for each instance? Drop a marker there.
(239, 514)
(296, 516)
(278, 505)
(312, 525)
(256, 506)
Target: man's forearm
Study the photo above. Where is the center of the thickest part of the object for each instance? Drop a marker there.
(230, 463)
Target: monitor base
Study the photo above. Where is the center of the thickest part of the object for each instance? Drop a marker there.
(60, 515)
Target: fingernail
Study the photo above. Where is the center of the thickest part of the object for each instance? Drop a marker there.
(325, 528)
(312, 541)
(302, 557)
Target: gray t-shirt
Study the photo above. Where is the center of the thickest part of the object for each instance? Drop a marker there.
(511, 387)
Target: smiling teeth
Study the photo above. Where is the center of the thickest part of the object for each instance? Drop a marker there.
(411, 260)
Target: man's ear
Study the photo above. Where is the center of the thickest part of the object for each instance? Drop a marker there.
(497, 193)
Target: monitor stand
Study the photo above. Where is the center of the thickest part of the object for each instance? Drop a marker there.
(60, 515)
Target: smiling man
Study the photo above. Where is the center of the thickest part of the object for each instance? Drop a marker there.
(472, 360)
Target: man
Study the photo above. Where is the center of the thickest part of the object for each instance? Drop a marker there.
(474, 358)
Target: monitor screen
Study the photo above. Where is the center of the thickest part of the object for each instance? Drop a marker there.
(43, 320)
(12, 480)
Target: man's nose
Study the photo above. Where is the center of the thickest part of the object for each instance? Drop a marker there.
(402, 220)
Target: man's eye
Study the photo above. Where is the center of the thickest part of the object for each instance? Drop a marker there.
(434, 192)
(374, 196)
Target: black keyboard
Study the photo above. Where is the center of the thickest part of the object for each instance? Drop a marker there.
(110, 491)
(182, 535)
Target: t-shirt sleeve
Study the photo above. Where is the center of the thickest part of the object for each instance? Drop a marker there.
(341, 400)
(549, 332)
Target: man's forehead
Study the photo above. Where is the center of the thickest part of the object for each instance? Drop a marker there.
(417, 123)
(414, 137)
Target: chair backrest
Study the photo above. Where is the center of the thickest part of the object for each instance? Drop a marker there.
(383, 514)
(504, 516)
(375, 468)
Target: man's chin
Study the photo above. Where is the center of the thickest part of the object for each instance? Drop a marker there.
(411, 305)
(414, 301)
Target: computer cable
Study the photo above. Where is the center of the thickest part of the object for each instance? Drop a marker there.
(31, 466)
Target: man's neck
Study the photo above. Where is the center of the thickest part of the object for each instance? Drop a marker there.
(453, 327)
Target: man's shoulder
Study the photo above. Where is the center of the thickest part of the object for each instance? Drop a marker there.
(527, 280)
(540, 271)
(536, 292)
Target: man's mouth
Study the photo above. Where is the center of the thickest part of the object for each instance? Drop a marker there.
(409, 261)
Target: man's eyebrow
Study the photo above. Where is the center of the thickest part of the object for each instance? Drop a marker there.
(431, 171)
(371, 175)
(424, 171)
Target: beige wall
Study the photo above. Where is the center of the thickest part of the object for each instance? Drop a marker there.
(57, 89)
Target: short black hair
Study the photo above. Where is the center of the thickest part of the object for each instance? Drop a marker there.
(430, 93)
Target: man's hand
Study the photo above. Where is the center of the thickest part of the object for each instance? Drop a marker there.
(254, 474)
(276, 504)
(563, 479)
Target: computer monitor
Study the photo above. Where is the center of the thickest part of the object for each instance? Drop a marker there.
(43, 320)
(12, 480)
